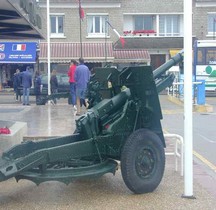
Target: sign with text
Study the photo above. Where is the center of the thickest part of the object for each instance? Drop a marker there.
(18, 52)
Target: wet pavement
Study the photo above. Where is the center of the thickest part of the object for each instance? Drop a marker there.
(42, 121)
(107, 192)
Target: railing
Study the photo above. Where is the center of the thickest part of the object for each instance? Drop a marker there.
(178, 152)
(175, 89)
(140, 33)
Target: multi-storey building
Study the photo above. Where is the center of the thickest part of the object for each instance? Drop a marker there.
(154, 26)
(94, 32)
(152, 30)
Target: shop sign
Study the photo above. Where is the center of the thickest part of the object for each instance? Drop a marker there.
(18, 52)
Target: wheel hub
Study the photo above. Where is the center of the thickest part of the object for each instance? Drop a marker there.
(145, 163)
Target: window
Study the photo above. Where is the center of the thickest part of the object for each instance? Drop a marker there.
(153, 25)
(212, 24)
(97, 26)
(201, 56)
(144, 22)
(57, 25)
(169, 25)
(206, 56)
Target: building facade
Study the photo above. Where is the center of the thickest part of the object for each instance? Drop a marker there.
(152, 26)
(144, 27)
(152, 30)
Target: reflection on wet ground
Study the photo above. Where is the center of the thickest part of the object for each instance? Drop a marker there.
(42, 121)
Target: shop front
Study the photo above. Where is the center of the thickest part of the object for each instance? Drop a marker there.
(95, 54)
(20, 30)
(16, 55)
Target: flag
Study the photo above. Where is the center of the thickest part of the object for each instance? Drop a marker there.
(122, 40)
(82, 14)
(19, 47)
(81, 11)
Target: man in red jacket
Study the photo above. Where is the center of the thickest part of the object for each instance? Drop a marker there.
(72, 82)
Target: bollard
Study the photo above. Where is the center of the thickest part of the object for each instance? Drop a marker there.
(201, 92)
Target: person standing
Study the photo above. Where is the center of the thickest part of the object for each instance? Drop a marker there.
(82, 77)
(54, 84)
(27, 83)
(71, 73)
(17, 84)
(37, 86)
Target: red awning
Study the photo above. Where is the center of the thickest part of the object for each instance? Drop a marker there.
(64, 52)
(130, 56)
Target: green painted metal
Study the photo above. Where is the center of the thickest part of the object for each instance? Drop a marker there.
(121, 102)
(70, 171)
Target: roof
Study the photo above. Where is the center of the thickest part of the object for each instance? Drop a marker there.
(131, 56)
(18, 22)
(63, 52)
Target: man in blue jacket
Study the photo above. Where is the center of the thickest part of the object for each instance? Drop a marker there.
(27, 83)
(82, 77)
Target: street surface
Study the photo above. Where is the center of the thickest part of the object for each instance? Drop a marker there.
(109, 192)
(204, 132)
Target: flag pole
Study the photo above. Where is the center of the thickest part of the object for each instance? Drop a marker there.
(80, 25)
(122, 40)
(106, 42)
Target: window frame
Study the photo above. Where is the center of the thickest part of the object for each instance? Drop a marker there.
(57, 34)
(205, 54)
(170, 24)
(91, 19)
(151, 18)
(211, 24)
(130, 29)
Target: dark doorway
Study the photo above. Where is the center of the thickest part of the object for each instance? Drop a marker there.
(157, 60)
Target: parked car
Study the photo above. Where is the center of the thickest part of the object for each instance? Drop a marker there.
(63, 84)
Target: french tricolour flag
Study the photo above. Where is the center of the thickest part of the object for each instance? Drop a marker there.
(19, 47)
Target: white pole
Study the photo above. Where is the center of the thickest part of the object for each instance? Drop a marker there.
(48, 45)
(188, 124)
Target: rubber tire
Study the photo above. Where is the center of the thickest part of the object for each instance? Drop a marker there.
(136, 142)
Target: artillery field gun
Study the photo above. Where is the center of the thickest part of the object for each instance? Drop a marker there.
(125, 127)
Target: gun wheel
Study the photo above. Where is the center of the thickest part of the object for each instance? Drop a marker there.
(142, 161)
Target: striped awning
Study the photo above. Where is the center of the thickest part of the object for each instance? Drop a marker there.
(65, 51)
(130, 56)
